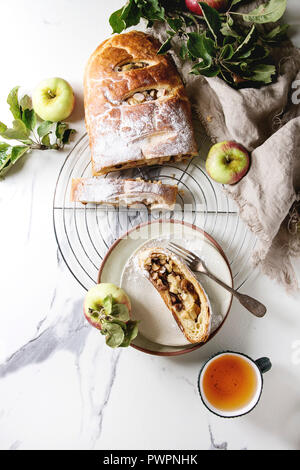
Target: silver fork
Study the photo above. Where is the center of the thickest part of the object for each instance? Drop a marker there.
(196, 264)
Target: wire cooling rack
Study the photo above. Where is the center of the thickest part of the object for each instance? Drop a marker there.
(84, 233)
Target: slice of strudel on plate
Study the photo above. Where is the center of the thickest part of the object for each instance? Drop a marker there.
(180, 290)
(136, 108)
(128, 192)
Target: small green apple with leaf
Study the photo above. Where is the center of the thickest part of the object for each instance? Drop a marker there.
(107, 308)
(227, 162)
(53, 99)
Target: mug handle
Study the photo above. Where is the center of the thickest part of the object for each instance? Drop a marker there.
(264, 364)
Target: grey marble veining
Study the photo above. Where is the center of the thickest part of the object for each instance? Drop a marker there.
(70, 334)
(214, 445)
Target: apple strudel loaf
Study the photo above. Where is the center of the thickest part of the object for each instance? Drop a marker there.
(180, 290)
(136, 108)
(128, 192)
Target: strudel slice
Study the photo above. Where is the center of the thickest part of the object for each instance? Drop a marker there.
(180, 290)
(136, 108)
(128, 192)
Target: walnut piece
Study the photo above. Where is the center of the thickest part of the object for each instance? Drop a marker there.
(146, 95)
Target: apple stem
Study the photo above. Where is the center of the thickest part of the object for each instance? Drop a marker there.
(100, 313)
(51, 95)
(36, 146)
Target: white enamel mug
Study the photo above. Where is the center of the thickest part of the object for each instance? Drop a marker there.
(260, 366)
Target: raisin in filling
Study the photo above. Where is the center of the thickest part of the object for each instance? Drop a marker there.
(166, 276)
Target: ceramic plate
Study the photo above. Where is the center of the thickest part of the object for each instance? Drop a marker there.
(158, 331)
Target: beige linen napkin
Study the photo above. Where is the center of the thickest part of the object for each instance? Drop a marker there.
(267, 123)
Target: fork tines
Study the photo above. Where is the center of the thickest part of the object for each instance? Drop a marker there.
(180, 251)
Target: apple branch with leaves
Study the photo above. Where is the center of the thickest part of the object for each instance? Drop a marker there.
(232, 45)
(115, 323)
(29, 131)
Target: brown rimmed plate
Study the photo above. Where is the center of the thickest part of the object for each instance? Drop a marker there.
(187, 235)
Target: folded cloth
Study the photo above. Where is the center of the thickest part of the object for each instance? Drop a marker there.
(267, 122)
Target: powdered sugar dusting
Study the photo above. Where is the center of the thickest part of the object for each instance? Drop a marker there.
(121, 134)
(121, 191)
(132, 135)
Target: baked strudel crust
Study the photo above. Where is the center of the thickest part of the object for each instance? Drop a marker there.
(180, 290)
(128, 192)
(136, 108)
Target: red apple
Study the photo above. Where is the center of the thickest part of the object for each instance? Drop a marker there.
(194, 6)
(95, 297)
(227, 162)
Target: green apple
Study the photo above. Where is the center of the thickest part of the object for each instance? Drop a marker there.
(53, 99)
(94, 300)
(227, 162)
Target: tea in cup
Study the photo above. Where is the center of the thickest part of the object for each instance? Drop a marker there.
(230, 383)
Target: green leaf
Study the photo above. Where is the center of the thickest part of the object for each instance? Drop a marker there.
(244, 66)
(263, 73)
(121, 312)
(5, 153)
(128, 15)
(175, 23)
(226, 30)
(116, 22)
(9, 156)
(278, 30)
(212, 19)
(227, 52)
(18, 132)
(201, 47)
(46, 140)
(122, 324)
(131, 333)
(209, 71)
(25, 102)
(255, 54)
(3, 127)
(67, 136)
(153, 11)
(269, 12)
(44, 128)
(190, 19)
(246, 54)
(29, 118)
(276, 35)
(166, 46)
(114, 334)
(247, 40)
(17, 152)
(6, 168)
(12, 101)
(107, 304)
(183, 52)
(61, 127)
(131, 14)
(235, 2)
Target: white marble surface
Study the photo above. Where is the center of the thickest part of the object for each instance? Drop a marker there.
(60, 386)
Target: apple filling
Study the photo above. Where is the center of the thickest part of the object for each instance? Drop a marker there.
(144, 161)
(146, 95)
(166, 276)
(131, 66)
